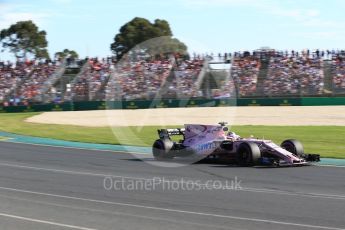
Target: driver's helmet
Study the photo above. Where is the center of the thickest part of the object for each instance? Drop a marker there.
(233, 135)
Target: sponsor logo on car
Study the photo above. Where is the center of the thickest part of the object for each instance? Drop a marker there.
(206, 146)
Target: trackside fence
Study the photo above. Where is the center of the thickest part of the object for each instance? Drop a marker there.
(170, 103)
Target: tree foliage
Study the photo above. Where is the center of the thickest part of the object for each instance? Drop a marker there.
(24, 38)
(139, 30)
(67, 53)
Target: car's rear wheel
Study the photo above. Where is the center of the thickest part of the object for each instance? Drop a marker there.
(161, 149)
(248, 154)
(293, 146)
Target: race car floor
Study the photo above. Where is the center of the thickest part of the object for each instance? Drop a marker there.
(45, 187)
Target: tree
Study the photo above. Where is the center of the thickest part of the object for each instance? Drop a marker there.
(139, 30)
(42, 53)
(24, 38)
(67, 53)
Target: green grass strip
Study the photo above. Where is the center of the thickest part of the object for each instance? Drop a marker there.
(329, 141)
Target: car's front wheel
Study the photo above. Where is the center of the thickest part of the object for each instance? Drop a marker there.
(248, 154)
(293, 146)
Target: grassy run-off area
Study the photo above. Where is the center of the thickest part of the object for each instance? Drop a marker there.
(329, 141)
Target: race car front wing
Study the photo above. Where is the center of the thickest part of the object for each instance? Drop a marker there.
(305, 160)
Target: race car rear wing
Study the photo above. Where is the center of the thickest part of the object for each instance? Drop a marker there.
(166, 133)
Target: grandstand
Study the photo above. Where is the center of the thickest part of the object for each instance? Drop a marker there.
(90, 83)
(338, 74)
(29, 82)
(261, 73)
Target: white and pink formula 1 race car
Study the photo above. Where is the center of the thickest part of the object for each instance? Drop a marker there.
(216, 142)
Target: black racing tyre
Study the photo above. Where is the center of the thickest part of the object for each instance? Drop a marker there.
(161, 149)
(248, 154)
(293, 146)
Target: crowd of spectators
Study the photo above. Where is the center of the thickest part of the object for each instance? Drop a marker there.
(30, 87)
(144, 78)
(227, 89)
(294, 75)
(289, 72)
(184, 78)
(140, 78)
(91, 82)
(20, 83)
(10, 75)
(338, 73)
(244, 73)
(268, 53)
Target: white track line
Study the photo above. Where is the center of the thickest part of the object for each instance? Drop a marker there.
(44, 222)
(335, 166)
(301, 194)
(175, 210)
(269, 191)
(119, 213)
(68, 171)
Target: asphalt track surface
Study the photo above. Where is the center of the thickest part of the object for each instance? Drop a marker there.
(59, 188)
